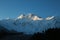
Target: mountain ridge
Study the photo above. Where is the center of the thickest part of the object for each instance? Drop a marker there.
(30, 24)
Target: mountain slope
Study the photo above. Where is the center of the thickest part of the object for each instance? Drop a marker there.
(30, 24)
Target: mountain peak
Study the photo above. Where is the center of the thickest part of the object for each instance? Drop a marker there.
(21, 16)
(37, 18)
(34, 17)
(51, 17)
(30, 16)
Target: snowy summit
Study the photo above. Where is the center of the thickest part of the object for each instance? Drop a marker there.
(31, 16)
(49, 18)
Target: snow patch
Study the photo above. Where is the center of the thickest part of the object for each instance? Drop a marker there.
(37, 18)
(49, 18)
(21, 16)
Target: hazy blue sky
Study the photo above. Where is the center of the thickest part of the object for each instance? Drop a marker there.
(43, 8)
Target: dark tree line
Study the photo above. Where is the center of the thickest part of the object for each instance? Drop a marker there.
(50, 34)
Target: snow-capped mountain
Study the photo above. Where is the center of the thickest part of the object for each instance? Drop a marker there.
(30, 24)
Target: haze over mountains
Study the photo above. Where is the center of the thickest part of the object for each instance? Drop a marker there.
(30, 24)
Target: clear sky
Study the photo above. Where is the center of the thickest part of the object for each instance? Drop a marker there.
(43, 8)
